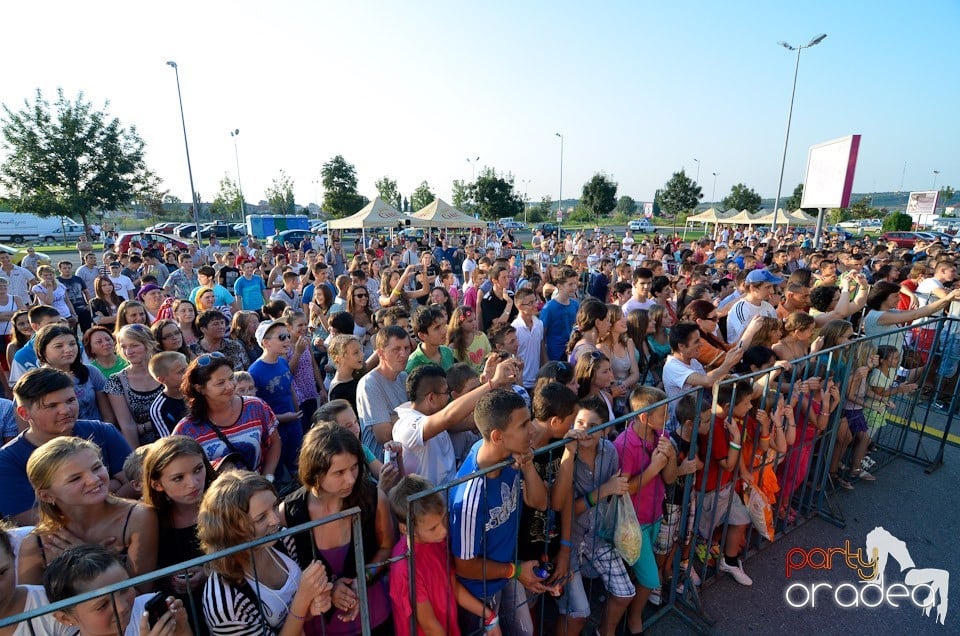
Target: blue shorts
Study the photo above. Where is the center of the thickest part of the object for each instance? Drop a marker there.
(645, 569)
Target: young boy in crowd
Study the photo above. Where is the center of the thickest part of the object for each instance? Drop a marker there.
(649, 460)
(503, 338)
(720, 469)
(531, 346)
(591, 467)
(250, 289)
(687, 418)
(244, 384)
(133, 469)
(545, 535)
(485, 514)
(559, 314)
(431, 330)
(461, 379)
(436, 606)
(271, 374)
(289, 295)
(167, 368)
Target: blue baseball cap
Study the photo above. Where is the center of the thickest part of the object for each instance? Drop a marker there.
(763, 276)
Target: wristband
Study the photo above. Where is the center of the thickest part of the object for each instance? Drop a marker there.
(735, 446)
(765, 438)
(591, 502)
(565, 543)
(297, 616)
(516, 570)
(491, 622)
(513, 571)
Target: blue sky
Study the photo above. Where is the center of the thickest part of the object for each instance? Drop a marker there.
(411, 89)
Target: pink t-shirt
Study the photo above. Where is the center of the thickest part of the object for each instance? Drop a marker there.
(635, 455)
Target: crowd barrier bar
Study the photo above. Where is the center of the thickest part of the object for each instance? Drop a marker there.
(196, 612)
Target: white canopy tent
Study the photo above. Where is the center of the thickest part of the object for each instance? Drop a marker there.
(782, 218)
(802, 218)
(377, 213)
(438, 213)
(743, 217)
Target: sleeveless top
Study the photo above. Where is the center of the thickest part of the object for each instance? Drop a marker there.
(11, 305)
(123, 539)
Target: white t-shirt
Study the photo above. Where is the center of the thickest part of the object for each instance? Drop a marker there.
(435, 459)
(633, 303)
(675, 374)
(743, 312)
(925, 295)
(45, 625)
(123, 286)
(530, 348)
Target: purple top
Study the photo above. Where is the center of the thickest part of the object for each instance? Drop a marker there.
(304, 383)
(378, 600)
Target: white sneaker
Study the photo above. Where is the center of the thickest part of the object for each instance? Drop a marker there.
(736, 571)
(655, 596)
(693, 576)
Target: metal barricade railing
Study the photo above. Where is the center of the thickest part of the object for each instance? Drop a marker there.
(805, 468)
(195, 612)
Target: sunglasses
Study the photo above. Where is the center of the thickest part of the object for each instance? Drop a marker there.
(360, 295)
(207, 358)
(283, 337)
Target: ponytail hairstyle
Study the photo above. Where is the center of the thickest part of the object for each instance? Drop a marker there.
(586, 369)
(699, 310)
(591, 310)
(273, 310)
(700, 291)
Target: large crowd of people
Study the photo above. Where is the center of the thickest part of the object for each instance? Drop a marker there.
(167, 404)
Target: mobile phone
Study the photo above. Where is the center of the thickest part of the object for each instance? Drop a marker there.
(388, 456)
(156, 608)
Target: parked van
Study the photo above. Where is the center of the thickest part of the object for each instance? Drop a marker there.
(19, 227)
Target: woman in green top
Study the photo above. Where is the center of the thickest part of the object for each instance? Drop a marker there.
(101, 348)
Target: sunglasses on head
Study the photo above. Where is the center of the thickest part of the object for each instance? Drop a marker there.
(207, 358)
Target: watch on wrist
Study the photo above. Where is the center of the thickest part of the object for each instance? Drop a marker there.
(269, 477)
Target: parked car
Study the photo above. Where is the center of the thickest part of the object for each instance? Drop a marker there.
(512, 225)
(640, 225)
(182, 229)
(854, 224)
(220, 229)
(240, 229)
(846, 235)
(293, 236)
(318, 226)
(163, 228)
(904, 239)
(943, 237)
(551, 228)
(123, 241)
(17, 254)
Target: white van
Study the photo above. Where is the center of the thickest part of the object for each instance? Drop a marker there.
(19, 227)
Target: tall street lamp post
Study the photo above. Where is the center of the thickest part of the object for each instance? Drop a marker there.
(697, 161)
(560, 199)
(526, 183)
(783, 162)
(473, 165)
(243, 207)
(713, 197)
(935, 173)
(183, 122)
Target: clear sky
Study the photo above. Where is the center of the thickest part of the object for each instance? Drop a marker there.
(411, 89)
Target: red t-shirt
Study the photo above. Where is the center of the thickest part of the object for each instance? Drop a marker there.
(904, 299)
(435, 585)
(719, 451)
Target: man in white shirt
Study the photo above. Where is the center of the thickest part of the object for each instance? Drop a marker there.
(931, 290)
(121, 284)
(682, 371)
(642, 278)
(423, 423)
(759, 285)
(20, 279)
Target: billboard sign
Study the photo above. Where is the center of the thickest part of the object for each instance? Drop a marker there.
(922, 202)
(830, 169)
(648, 209)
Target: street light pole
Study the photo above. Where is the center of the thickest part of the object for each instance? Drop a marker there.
(243, 207)
(183, 122)
(935, 173)
(560, 199)
(713, 197)
(697, 181)
(783, 162)
(526, 183)
(473, 165)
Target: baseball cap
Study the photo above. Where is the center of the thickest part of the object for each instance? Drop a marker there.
(262, 331)
(763, 276)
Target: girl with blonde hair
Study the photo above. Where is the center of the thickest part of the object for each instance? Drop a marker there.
(133, 390)
(619, 348)
(76, 507)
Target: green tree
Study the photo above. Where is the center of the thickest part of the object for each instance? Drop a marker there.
(494, 195)
(946, 195)
(626, 206)
(742, 198)
(837, 215)
(280, 195)
(541, 212)
(861, 209)
(227, 202)
(581, 214)
(461, 197)
(387, 188)
(897, 222)
(340, 196)
(421, 196)
(680, 193)
(69, 159)
(794, 201)
(599, 194)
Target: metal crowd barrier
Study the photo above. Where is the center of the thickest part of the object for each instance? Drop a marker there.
(196, 613)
